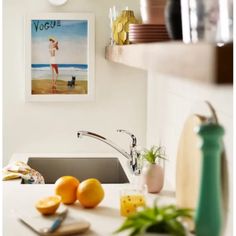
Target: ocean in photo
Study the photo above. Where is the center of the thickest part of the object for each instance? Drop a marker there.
(66, 71)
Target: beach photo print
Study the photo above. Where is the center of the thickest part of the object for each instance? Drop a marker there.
(60, 53)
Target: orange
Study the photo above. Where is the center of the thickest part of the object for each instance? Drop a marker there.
(66, 188)
(48, 205)
(90, 193)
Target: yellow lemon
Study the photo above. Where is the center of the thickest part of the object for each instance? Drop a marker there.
(66, 188)
(90, 193)
(48, 205)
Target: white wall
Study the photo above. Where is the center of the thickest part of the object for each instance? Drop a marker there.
(170, 102)
(51, 127)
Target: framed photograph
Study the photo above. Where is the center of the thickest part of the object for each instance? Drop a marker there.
(60, 62)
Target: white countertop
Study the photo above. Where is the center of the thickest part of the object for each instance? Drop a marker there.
(104, 219)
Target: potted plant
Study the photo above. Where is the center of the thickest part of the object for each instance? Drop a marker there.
(152, 172)
(159, 221)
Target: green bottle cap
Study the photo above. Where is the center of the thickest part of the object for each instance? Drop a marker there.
(210, 129)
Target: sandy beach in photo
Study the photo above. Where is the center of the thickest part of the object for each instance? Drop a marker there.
(44, 86)
(42, 82)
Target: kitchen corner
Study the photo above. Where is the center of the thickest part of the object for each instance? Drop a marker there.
(104, 219)
(118, 118)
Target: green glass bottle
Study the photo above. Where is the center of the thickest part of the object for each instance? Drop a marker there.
(208, 219)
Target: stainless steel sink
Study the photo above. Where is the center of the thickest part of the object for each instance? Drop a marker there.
(107, 170)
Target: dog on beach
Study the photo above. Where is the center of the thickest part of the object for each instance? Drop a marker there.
(71, 83)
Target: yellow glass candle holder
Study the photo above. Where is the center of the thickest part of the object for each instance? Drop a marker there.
(120, 27)
(130, 200)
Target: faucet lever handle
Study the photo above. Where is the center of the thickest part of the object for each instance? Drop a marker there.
(134, 139)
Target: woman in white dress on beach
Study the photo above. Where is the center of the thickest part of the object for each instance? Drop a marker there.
(53, 47)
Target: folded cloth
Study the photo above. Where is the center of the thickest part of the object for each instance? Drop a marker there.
(19, 169)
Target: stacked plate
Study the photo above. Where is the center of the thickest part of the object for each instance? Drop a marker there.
(145, 33)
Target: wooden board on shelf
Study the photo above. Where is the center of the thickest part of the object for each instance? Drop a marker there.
(203, 62)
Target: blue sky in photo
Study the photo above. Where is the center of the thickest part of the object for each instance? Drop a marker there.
(65, 29)
(72, 37)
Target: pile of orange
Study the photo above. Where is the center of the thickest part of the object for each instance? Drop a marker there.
(89, 192)
(69, 189)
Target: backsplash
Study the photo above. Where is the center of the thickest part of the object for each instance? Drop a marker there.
(170, 102)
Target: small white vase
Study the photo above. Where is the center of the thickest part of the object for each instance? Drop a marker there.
(153, 177)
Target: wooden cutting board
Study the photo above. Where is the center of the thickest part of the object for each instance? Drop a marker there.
(188, 165)
(37, 222)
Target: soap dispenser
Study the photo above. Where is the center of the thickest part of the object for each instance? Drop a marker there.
(208, 219)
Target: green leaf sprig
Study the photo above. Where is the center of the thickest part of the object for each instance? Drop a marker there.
(154, 153)
(165, 220)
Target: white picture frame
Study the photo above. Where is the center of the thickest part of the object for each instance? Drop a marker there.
(48, 75)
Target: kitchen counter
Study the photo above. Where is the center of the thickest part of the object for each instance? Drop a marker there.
(104, 219)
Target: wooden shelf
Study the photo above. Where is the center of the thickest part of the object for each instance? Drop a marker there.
(202, 62)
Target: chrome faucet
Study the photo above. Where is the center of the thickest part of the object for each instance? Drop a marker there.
(133, 156)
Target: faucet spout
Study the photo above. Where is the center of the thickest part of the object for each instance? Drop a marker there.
(82, 133)
(133, 156)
